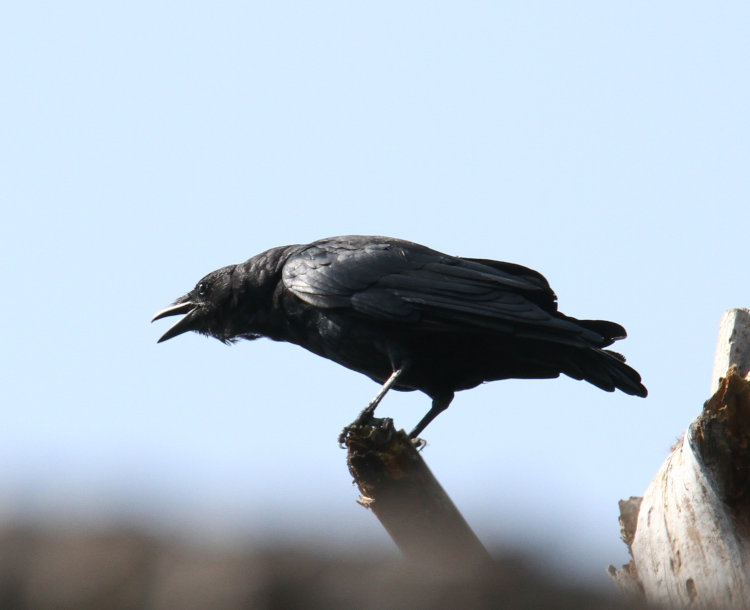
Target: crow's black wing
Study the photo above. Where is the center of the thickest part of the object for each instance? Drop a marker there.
(395, 280)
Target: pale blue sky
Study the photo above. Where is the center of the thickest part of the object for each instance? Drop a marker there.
(145, 144)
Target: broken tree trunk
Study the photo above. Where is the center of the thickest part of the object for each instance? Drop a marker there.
(689, 536)
(400, 489)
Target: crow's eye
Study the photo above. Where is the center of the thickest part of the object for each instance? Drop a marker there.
(202, 288)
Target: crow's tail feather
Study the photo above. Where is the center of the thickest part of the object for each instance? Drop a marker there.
(610, 331)
(606, 370)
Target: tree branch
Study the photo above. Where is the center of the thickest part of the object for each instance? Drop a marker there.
(400, 489)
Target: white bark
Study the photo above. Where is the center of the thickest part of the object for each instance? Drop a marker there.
(691, 541)
(685, 549)
(733, 346)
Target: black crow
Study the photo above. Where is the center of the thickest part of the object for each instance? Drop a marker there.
(408, 317)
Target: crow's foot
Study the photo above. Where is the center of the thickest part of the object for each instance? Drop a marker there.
(382, 426)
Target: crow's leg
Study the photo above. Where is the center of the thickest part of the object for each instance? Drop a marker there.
(366, 416)
(439, 404)
(369, 410)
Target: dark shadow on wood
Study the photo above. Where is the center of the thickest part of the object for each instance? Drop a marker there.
(721, 435)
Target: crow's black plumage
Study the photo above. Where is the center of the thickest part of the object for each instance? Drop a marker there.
(408, 317)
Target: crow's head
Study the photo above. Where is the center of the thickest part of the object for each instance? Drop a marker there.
(207, 308)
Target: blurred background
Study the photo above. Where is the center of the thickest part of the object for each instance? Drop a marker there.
(146, 144)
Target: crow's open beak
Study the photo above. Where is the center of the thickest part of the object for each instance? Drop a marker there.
(183, 325)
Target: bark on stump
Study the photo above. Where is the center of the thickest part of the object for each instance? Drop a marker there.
(689, 536)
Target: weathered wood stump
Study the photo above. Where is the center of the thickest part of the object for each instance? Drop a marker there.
(689, 536)
(399, 488)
